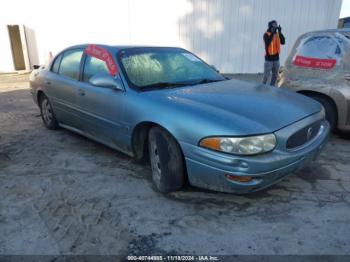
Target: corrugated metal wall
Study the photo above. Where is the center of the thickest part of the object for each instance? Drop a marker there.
(226, 33)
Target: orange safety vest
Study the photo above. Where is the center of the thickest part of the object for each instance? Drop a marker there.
(275, 45)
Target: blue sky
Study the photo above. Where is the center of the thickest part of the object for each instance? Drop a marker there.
(345, 9)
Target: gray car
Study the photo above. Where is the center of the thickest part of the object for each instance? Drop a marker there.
(193, 124)
(318, 66)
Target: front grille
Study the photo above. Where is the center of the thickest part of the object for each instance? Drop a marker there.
(304, 135)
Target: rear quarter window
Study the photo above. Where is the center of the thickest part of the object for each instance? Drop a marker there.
(56, 64)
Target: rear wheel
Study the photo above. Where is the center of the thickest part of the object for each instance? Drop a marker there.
(331, 113)
(168, 169)
(47, 114)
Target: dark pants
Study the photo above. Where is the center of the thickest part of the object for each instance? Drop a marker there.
(271, 66)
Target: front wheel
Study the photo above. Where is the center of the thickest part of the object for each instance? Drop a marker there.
(168, 169)
(47, 114)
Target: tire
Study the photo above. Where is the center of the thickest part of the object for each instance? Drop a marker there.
(331, 113)
(47, 114)
(168, 169)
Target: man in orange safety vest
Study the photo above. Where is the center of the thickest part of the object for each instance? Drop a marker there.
(273, 39)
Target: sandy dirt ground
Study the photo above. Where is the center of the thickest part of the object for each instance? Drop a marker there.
(61, 193)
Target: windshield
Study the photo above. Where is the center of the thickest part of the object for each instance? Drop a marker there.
(165, 67)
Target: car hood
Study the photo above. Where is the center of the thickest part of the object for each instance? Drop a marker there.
(250, 107)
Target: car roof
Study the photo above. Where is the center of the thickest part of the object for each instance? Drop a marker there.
(338, 30)
(116, 48)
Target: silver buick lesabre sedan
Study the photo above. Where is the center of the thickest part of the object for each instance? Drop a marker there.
(193, 123)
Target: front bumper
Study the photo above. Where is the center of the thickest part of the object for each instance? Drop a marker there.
(208, 169)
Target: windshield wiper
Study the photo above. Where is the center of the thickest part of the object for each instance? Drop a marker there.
(205, 81)
(163, 85)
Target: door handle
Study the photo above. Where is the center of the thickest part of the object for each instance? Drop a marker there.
(81, 92)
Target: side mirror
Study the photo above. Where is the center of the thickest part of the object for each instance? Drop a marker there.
(36, 66)
(106, 80)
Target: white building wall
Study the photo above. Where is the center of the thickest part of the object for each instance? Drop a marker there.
(6, 64)
(226, 33)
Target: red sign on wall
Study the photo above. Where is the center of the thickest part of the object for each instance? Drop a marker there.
(103, 54)
(318, 63)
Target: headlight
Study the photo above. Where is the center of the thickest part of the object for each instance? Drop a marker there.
(251, 145)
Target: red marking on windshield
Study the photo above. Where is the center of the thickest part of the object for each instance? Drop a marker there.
(314, 62)
(104, 55)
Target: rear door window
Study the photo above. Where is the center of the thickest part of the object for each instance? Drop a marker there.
(70, 64)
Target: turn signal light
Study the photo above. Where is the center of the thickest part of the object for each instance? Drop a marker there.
(212, 143)
(239, 178)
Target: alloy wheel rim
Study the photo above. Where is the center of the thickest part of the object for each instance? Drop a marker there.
(155, 163)
(47, 111)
